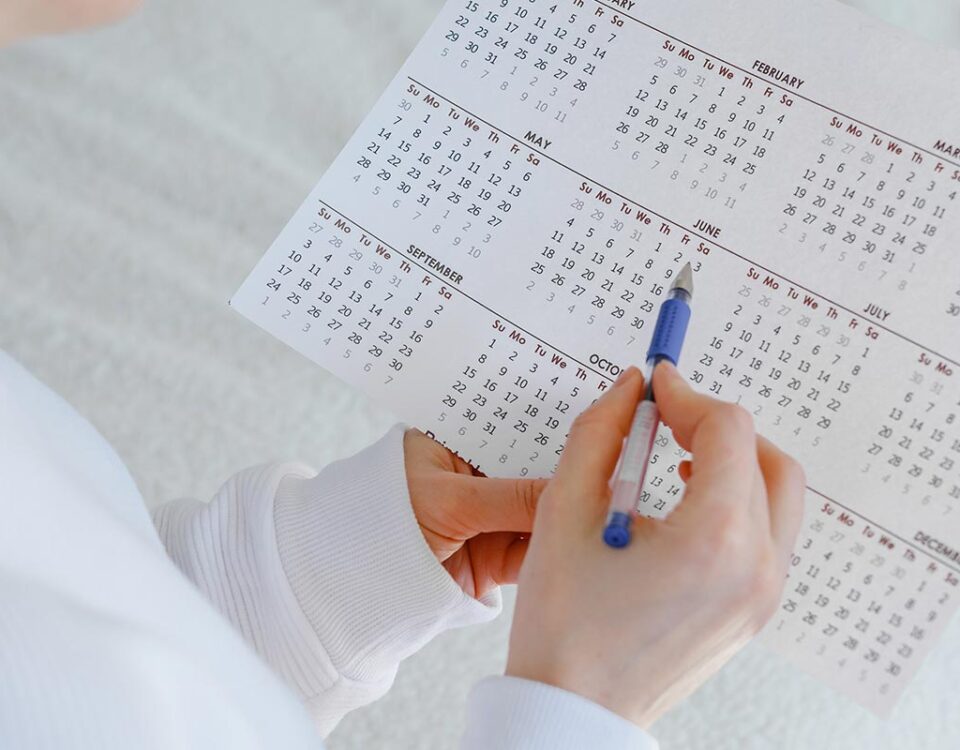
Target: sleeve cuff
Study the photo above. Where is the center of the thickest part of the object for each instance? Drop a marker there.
(360, 569)
(513, 714)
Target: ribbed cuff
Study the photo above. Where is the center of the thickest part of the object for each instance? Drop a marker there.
(508, 713)
(360, 568)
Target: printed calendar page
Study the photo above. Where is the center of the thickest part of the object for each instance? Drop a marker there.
(491, 248)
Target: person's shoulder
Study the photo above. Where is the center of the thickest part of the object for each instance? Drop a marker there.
(52, 455)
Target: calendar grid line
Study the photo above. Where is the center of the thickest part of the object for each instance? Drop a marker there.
(955, 569)
(710, 241)
(792, 92)
(460, 291)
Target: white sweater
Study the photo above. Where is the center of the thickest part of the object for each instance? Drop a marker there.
(292, 590)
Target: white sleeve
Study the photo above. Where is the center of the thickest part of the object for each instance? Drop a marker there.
(327, 576)
(508, 713)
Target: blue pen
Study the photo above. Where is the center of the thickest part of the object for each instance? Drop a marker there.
(635, 458)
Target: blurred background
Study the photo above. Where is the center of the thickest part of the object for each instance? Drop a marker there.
(145, 168)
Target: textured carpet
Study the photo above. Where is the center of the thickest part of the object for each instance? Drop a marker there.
(143, 170)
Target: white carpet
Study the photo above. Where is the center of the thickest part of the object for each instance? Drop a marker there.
(143, 170)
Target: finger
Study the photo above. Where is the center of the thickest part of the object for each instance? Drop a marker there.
(485, 505)
(786, 487)
(424, 453)
(488, 561)
(718, 434)
(684, 469)
(593, 447)
(512, 560)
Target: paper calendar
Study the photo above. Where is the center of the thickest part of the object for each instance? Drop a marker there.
(491, 247)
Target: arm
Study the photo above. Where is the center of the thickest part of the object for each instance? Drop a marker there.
(328, 576)
(636, 630)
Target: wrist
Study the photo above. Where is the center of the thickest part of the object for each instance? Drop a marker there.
(349, 537)
(580, 680)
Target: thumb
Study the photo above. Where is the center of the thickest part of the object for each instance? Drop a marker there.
(486, 505)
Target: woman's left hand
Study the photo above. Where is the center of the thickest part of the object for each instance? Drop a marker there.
(478, 528)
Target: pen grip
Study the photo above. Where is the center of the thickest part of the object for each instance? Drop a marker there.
(670, 331)
(635, 458)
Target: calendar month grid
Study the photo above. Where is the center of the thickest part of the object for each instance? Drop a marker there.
(492, 246)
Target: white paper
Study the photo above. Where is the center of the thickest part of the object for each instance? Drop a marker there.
(492, 246)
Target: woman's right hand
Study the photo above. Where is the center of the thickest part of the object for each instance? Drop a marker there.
(639, 629)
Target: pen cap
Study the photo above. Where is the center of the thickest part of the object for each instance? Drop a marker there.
(670, 331)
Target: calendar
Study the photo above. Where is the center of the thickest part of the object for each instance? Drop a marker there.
(491, 248)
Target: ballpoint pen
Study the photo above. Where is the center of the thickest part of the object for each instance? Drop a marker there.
(635, 458)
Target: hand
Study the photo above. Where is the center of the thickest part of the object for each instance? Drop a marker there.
(637, 630)
(478, 527)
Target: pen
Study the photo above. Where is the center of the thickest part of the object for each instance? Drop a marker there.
(635, 458)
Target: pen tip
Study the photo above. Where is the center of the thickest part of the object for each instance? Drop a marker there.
(684, 280)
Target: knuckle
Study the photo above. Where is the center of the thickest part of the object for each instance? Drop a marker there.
(737, 419)
(796, 476)
(552, 502)
(527, 498)
(723, 541)
(751, 577)
(469, 495)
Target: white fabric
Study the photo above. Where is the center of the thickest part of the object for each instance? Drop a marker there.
(326, 575)
(105, 643)
(526, 718)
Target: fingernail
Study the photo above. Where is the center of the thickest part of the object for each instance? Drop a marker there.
(669, 369)
(668, 375)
